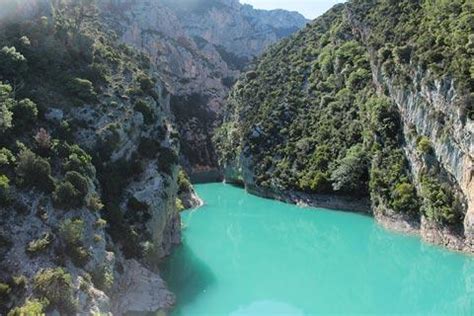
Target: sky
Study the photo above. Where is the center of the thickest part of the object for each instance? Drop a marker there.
(309, 8)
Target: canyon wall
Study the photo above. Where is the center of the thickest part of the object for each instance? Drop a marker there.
(365, 102)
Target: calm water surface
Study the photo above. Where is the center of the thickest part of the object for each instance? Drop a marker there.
(244, 255)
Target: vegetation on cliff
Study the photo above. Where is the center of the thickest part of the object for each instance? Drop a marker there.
(68, 89)
(311, 117)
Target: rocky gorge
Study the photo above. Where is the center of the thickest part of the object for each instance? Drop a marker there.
(354, 106)
(111, 109)
(100, 102)
(200, 48)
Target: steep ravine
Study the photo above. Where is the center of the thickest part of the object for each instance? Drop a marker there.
(355, 93)
(98, 101)
(199, 49)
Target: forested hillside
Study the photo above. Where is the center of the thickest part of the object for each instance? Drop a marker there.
(374, 99)
(88, 166)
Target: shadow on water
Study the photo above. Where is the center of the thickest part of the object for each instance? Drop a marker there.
(187, 275)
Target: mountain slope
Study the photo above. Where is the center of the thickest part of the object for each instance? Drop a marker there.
(88, 167)
(372, 99)
(199, 48)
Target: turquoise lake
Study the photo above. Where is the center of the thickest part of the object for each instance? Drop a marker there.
(244, 255)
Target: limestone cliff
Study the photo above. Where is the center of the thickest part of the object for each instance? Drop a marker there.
(199, 48)
(370, 100)
(89, 167)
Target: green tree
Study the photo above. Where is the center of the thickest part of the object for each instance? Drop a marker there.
(352, 171)
(6, 104)
(13, 65)
(25, 114)
(56, 286)
(34, 170)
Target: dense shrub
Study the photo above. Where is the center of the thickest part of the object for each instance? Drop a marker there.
(95, 203)
(404, 198)
(6, 157)
(145, 109)
(39, 245)
(440, 204)
(5, 290)
(351, 174)
(33, 170)
(31, 307)
(82, 89)
(71, 192)
(66, 196)
(146, 83)
(56, 286)
(179, 205)
(4, 189)
(12, 63)
(184, 184)
(25, 114)
(76, 159)
(43, 141)
(71, 233)
(103, 278)
(6, 103)
(423, 145)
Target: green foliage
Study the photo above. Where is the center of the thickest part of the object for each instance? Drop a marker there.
(179, 205)
(65, 195)
(298, 113)
(25, 114)
(56, 286)
(39, 245)
(351, 173)
(6, 157)
(423, 145)
(5, 290)
(103, 278)
(146, 83)
(6, 103)
(76, 159)
(82, 89)
(149, 147)
(12, 63)
(71, 192)
(95, 203)
(438, 33)
(71, 233)
(404, 198)
(34, 170)
(440, 204)
(79, 182)
(4, 189)
(144, 108)
(184, 184)
(31, 307)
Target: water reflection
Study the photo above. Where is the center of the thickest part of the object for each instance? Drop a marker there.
(243, 255)
(185, 271)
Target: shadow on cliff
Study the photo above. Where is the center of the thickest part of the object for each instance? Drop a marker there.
(187, 275)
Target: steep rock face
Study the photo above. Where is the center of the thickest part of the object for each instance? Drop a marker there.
(238, 31)
(88, 168)
(199, 49)
(433, 107)
(365, 101)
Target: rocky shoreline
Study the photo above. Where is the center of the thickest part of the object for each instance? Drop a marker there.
(337, 202)
(429, 232)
